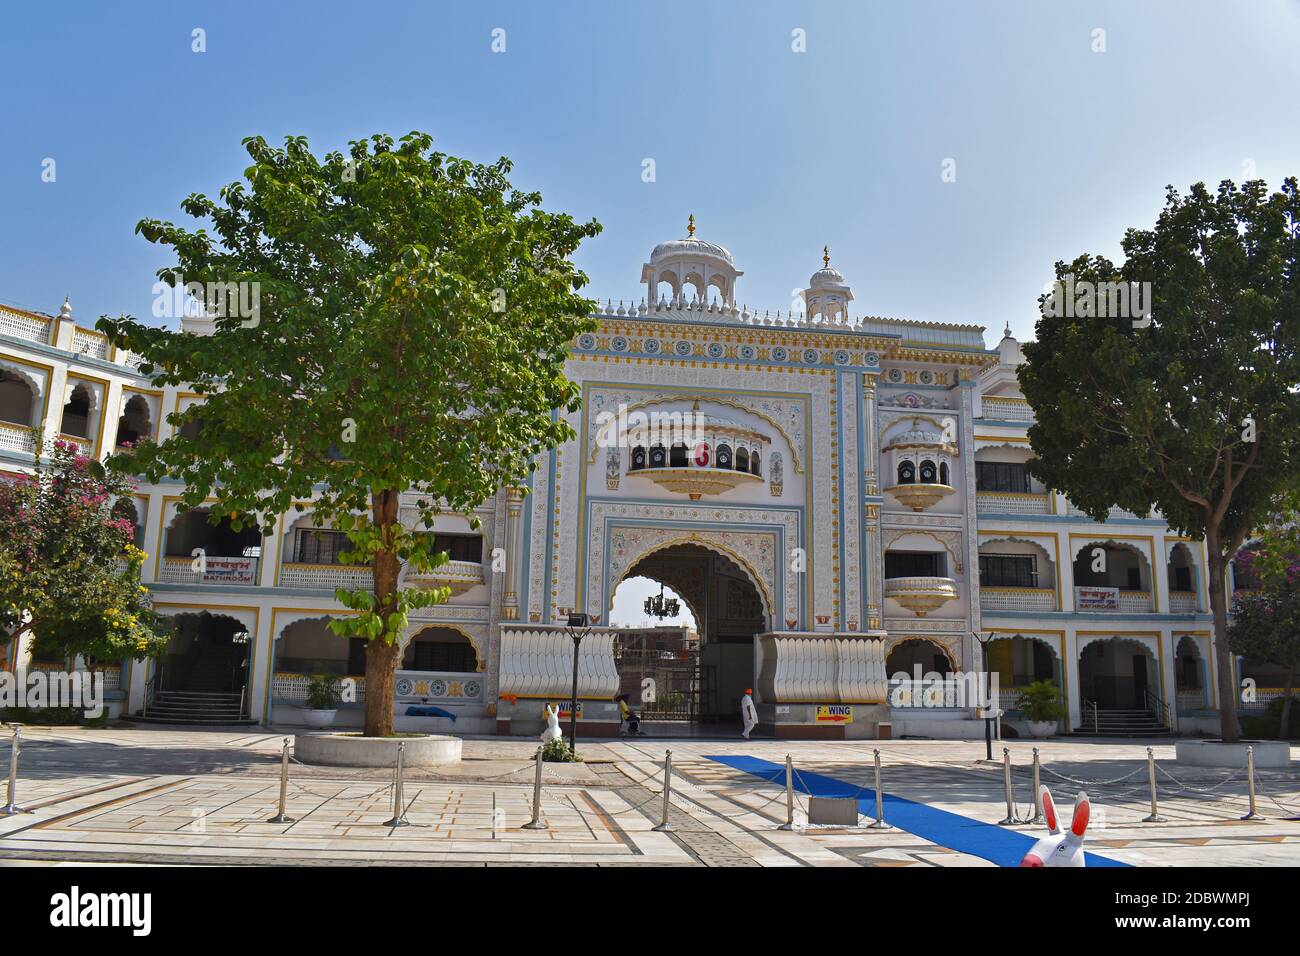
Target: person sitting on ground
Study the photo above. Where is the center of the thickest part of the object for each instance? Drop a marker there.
(625, 715)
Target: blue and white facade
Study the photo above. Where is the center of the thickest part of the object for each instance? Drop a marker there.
(850, 481)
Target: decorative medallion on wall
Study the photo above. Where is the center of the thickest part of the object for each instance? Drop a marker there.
(587, 341)
(927, 377)
(748, 352)
(894, 375)
(682, 347)
(618, 343)
(651, 347)
(811, 356)
(841, 357)
(715, 350)
(779, 354)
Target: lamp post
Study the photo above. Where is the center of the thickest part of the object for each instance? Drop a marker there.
(984, 643)
(578, 627)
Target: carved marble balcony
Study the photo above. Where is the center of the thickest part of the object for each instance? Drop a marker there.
(17, 438)
(1017, 599)
(457, 575)
(918, 496)
(921, 595)
(1182, 602)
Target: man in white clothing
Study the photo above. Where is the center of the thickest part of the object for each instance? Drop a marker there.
(748, 713)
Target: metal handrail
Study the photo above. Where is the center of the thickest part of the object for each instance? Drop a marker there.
(149, 689)
(1091, 706)
(1159, 709)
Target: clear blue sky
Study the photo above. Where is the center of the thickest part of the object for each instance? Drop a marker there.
(1058, 148)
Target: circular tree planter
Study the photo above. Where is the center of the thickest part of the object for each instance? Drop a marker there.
(1216, 753)
(353, 750)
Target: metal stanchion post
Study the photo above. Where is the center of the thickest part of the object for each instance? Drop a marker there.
(1155, 816)
(399, 801)
(789, 794)
(1038, 803)
(668, 789)
(280, 816)
(880, 823)
(536, 822)
(1006, 785)
(11, 800)
(1250, 783)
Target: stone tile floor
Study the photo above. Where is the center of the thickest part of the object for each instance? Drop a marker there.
(142, 795)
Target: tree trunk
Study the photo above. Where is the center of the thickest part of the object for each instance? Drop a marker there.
(381, 657)
(1228, 727)
(1284, 731)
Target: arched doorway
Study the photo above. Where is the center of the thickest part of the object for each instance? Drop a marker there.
(1190, 676)
(697, 677)
(204, 675)
(910, 654)
(1118, 673)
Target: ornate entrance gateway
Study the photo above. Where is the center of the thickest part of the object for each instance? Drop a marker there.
(701, 679)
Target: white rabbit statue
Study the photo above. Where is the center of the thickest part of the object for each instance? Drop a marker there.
(552, 731)
(1057, 848)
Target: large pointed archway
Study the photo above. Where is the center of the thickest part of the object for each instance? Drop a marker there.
(701, 680)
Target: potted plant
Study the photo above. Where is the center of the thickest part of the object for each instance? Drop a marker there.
(1040, 702)
(322, 702)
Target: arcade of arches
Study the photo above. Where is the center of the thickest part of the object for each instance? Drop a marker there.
(704, 679)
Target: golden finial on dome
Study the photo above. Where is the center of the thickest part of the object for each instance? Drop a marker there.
(826, 257)
(690, 227)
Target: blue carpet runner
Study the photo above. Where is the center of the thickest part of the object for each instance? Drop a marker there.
(999, 845)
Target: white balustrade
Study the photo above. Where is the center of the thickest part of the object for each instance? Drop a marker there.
(86, 342)
(1011, 502)
(1182, 602)
(1017, 599)
(538, 662)
(29, 327)
(17, 438)
(1007, 409)
(823, 669)
(325, 576)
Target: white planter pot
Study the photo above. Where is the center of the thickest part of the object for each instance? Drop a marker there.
(318, 718)
(1215, 753)
(1039, 729)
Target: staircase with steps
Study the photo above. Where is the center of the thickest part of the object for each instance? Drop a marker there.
(194, 707)
(1123, 723)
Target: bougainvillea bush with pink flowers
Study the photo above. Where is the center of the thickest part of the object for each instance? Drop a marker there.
(69, 567)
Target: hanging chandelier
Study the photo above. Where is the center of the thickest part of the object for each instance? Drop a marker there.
(661, 607)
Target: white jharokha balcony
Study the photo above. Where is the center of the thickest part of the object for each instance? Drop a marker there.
(1012, 502)
(918, 496)
(921, 595)
(1017, 599)
(17, 438)
(457, 575)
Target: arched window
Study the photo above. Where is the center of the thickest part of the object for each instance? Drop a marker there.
(76, 414)
(658, 456)
(16, 400)
(928, 473)
(677, 455)
(742, 459)
(906, 473)
(125, 508)
(638, 458)
(943, 473)
(755, 463)
(134, 423)
(440, 649)
(724, 456)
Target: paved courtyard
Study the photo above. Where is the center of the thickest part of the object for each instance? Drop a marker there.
(145, 795)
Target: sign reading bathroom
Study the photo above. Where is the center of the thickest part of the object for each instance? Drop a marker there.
(229, 570)
(1100, 598)
(834, 713)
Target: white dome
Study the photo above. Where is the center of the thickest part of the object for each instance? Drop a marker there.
(691, 246)
(826, 278)
(917, 435)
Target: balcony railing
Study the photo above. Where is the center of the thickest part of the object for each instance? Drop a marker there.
(17, 438)
(1097, 599)
(921, 595)
(1072, 509)
(1182, 602)
(1017, 599)
(458, 575)
(1007, 409)
(213, 569)
(1012, 502)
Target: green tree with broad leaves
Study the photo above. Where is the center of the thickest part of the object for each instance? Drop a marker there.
(1265, 623)
(1189, 406)
(69, 568)
(413, 315)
